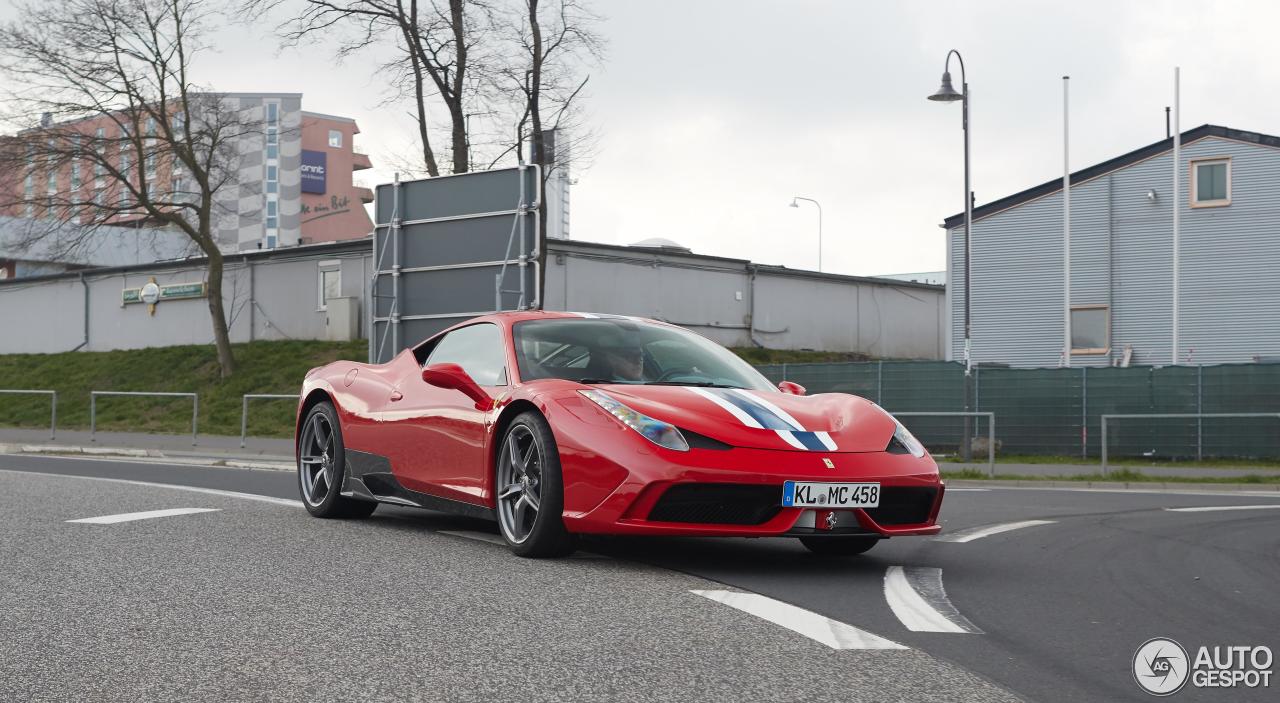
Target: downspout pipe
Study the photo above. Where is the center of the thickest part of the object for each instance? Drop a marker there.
(751, 306)
(85, 343)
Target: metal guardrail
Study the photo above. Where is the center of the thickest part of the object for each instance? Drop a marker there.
(991, 430)
(244, 409)
(93, 407)
(53, 406)
(1169, 416)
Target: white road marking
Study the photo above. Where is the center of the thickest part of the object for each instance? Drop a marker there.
(145, 515)
(916, 596)
(832, 633)
(1227, 493)
(980, 532)
(968, 490)
(191, 489)
(1215, 508)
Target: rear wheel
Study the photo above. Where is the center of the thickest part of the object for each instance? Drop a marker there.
(530, 491)
(322, 465)
(839, 546)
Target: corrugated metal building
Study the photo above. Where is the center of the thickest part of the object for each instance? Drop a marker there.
(1122, 260)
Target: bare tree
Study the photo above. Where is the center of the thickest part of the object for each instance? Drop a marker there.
(113, 130)
(553, 43)
(436, 42)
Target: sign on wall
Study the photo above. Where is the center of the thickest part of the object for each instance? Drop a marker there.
(153, 293)
(313, 171)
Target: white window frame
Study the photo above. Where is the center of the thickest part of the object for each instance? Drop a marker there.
(1106, 348)
(335, 133)
(1195, 181)
(323, 267)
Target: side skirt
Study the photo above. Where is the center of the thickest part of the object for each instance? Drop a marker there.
(369, 477)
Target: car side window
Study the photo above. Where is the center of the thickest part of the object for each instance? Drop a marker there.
(478, 350)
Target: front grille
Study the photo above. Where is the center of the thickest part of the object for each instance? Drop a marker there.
(718, 504)
(903, 505)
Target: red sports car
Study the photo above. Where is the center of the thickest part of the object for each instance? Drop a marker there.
(560, 424)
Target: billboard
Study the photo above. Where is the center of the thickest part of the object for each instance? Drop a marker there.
(313, 171)
(449, 248)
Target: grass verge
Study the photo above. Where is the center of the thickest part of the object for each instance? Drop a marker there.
(262, 367)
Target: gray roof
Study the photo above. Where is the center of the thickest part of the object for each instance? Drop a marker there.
(48, 241)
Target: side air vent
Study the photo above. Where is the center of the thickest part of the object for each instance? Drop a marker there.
(699, 441)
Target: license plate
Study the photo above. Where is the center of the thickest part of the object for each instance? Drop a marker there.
(806, 494)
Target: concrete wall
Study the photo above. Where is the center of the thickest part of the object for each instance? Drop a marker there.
(275, 295)
(717, 296)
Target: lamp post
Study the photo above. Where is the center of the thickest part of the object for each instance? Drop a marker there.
(948, 94)
(819, 206)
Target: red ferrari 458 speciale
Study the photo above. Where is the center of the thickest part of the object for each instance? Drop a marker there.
(559, 424)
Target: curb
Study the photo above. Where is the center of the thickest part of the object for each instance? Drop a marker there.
(154, 456)
(1116, 485)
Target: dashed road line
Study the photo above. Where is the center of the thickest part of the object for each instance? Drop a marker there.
(832, 633)
(917, 598)
(1215, 508)
(979, 532)
(145, 515)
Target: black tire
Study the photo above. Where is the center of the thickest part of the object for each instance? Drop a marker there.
(839, 546)
(547, 537)
(326, 503)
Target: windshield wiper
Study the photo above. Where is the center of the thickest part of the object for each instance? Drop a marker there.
(595, 381)
(696, 384)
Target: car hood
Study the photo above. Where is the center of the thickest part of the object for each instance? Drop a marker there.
(827, 422)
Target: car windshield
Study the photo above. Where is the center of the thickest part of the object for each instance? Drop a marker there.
(621, 350)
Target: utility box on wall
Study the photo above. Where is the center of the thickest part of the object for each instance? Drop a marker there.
(342, 319)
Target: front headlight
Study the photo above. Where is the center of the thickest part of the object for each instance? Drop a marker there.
(663, 434)
(903, 438)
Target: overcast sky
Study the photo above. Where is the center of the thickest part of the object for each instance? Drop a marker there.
(714, 113)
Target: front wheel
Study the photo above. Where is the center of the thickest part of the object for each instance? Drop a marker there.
(839, 546)
(322, 465)
(530, 491)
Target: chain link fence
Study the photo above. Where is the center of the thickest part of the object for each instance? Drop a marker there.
(1058, 411)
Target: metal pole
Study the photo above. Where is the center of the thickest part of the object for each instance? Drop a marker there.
(1066, 223)
(1177, 168)
(880, 383)
(244, 419)
(1104, 445)
(195, 413)
(53, 417)
(93, 416)
(1199, 409)
(819, 235)
(395, 268)
(991, 445)
(968, 266)
(1084, 412)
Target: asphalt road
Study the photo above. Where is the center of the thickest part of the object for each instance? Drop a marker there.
(259, 601)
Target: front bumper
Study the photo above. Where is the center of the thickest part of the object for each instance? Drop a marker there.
(604, 496)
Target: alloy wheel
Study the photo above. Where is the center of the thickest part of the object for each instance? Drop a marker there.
(519, 481)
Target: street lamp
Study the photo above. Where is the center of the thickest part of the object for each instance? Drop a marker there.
(948, 94)
(819, 206)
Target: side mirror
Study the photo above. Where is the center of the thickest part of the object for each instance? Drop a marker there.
(791, 388)
(452, 376)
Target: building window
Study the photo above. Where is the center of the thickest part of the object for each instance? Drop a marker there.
(272, 218)
(273, 143)
(124, 162)
(330, 283)
(75, 176)
(273, 179)
(1090, 329)
(1211, 183)
(151, 159)
(335, 139)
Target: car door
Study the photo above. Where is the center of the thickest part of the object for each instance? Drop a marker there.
(444, 451)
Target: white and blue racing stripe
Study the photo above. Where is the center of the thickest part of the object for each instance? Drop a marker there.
(754, 411)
